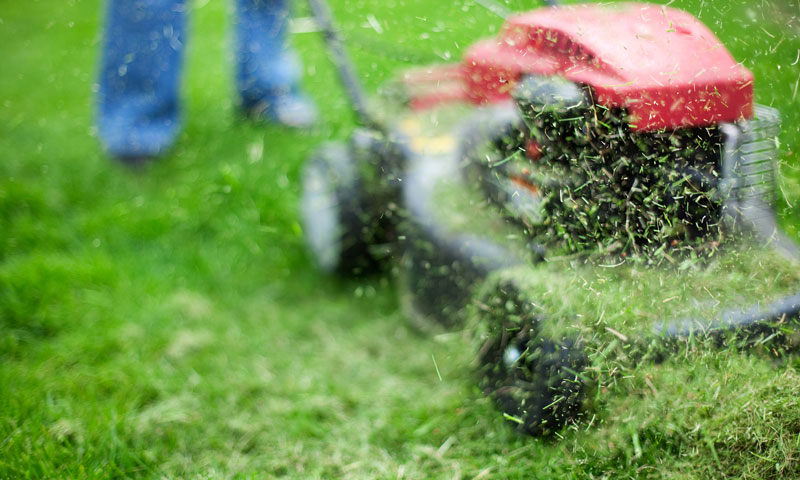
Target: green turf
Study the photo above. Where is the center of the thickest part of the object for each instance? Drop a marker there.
(167, 322)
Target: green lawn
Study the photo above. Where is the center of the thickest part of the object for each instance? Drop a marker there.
(168, 323)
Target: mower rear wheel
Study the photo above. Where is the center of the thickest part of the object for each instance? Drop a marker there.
(338, 228)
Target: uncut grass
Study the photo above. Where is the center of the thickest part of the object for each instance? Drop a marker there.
(158, 323)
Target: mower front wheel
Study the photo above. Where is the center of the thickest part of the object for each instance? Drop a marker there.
(533, 378)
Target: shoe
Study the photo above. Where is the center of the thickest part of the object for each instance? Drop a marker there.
(136, 139)
(292, 110)
(134, 161)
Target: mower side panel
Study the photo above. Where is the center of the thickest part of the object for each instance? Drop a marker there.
(441, 266)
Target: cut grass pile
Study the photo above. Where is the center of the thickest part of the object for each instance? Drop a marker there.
(636, 300)
(167, 322)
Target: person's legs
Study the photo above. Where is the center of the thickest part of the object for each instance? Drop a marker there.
(142, 57)
(267, 69)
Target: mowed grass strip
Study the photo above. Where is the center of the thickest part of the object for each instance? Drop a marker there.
(168, 323)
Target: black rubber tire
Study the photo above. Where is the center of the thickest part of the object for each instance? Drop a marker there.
(534, 380)
(339, 228)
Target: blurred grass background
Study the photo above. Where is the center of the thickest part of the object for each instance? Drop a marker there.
(167, 322)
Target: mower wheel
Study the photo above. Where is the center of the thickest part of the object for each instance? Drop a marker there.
(338, 227)
(534, 379)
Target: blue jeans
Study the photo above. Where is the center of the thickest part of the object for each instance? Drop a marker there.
(142, 59)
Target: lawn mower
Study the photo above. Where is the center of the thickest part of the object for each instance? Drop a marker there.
(577, 196)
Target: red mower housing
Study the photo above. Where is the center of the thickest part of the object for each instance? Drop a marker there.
(661, 65)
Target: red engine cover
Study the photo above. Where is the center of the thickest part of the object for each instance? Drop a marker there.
(660, 64)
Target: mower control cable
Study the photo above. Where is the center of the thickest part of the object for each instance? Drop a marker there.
(344, 65)
(502, 11)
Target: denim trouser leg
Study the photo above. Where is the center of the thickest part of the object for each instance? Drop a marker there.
(140, 70)
(266, 67)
